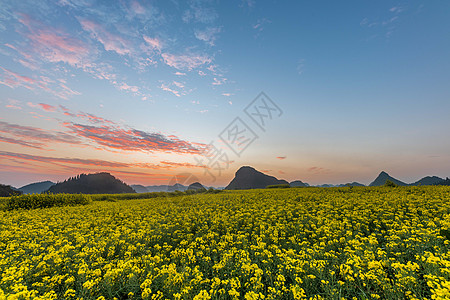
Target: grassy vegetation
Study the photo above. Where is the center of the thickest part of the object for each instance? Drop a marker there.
(117, 197)
(278, 186)
(359, 243)
(45, 201)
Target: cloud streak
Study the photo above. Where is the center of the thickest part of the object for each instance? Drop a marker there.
(115, 137)
(32, 136)
(13, 80)
(54, 45)
(79, 162)
(185, 62)
(110, 41)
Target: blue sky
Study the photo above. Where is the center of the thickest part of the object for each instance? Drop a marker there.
(143, 89)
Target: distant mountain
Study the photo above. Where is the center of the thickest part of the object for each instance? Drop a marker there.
(383, 177)
(99, 183)
(196, 186)
(445, 181)
(139, 188)
(249, 178)
(429, 180)
(166, 188)
(298, 183)
(326, 185)
(176, 187)
(351, 184)
(7, 190)
(37, 187)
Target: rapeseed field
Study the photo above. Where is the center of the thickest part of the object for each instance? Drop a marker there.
(298, 243)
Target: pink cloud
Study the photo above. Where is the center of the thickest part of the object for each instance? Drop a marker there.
(219, 81)
(185, 62)
(126, 87)
(110, 41)
(318, 170)
(13, 80)
(10, 140)
(178, 84)
(47, 107)
(208, 35)
(184, 165)
(154, 43)
(281, 157)
(137, 8)
(115, 137)
(13, 104)
(43, 106)
(53, 45)
(78, 161)
(35, 136)
(168, 89)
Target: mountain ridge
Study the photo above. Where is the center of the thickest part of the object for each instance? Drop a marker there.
(249, 178)
(36, 187)
(97, 183)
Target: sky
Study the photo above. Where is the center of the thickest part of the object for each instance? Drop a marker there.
(158, 92)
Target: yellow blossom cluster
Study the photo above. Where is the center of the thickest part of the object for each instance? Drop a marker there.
(298, 243)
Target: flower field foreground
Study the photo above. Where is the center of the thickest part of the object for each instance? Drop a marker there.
(338, 243)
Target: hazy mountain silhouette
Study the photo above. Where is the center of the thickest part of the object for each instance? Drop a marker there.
(445, 181)
(166, 188)
(139, 188)
(249, 178)
(7, 190)
(351, 184)
(37, 187)
(177, 187)
(196, 186)
(298, 183)
(383, 177)
(429, 180)
(98, 183)
(326, 185)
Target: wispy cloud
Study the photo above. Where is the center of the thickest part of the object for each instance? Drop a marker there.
(85, 162)
(185, 62)
(300, 66)
(208, 35)
(166, 88)
(54, 45)
(13, 104)
(200, 12)
(386, 23)
(184, 165)
(281, 157)
(178, 84)
(129, 139)
(137, 8)
(260, 24)
(10, 140)
(43, 106)
(126, 87)
(318, 170)
(154, 43)
(219, 81)
(110, 41)
(14, 80)
(36, 137)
